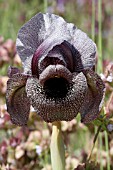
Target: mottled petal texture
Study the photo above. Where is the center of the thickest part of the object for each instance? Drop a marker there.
(85, 50)
(18, 105)
(94, 97)
(45, 31)
(12, 71)
(62, 108)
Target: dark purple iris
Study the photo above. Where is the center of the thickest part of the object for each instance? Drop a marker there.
(58, 78)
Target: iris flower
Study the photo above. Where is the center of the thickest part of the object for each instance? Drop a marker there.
(58, 77)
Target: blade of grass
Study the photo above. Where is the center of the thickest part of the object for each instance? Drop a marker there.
(94, 141)
(93, 21)
(107, 145)
(93, 38)
(100, 70)
(45, 5)
(93, 35)
(100, 144)
(107, 150)
(99, 64)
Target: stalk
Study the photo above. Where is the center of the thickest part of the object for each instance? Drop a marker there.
(93, 38)
(57, 148)
(45, 5)
(101, 144)
(99, 64)
(107, 144)
(93, 20)
(94, 141)
(107, 150)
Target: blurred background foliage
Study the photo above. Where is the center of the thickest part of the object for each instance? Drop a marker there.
(28, 148)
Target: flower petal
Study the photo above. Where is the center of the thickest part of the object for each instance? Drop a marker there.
(43, 56)
(94, 97)
(85, 49)
(12, 71)
(45, 31)
(30, 36)
(18, 105)
(51, 109)
(42, 32)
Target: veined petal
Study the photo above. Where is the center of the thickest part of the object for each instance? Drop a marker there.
(44, 31)
(94, 97)
(84, 48)
(41, 33)
(18, 105)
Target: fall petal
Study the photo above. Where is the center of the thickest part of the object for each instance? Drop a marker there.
(94, 97)
(12, 71)
(57, 108)
(18, 105)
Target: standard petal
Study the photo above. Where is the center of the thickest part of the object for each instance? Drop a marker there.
(18, 105)
(45, 31)
(94, 97)
(42, 32)
(57, 109)
(45, 52)
(30, 36)
(84, 49)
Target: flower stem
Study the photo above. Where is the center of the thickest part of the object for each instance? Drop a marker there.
(45, 5)
(106, 142)
(94, 141)
(101, 144)
(99, 64)
(93, 20)
(107, 150)
(57, 148)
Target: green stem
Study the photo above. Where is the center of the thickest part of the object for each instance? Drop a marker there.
(100, 143)
(106, 143)
(93, 20)
(107, 150)
(57, 148)
(94, 141)
(99, 65)
(45, 5)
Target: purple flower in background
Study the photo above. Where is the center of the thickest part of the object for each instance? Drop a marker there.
(58, 78)
(60, 5)
(38, 150)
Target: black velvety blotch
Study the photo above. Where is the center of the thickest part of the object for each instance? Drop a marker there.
(56, 88)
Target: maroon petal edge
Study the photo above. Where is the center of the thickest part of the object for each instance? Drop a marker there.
(18, 105)
(93, 102)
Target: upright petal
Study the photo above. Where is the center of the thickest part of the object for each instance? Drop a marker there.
(84, 49)
(94, 97)
(18, 105)
(41, 33)
(44, 31)
(44, 55)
